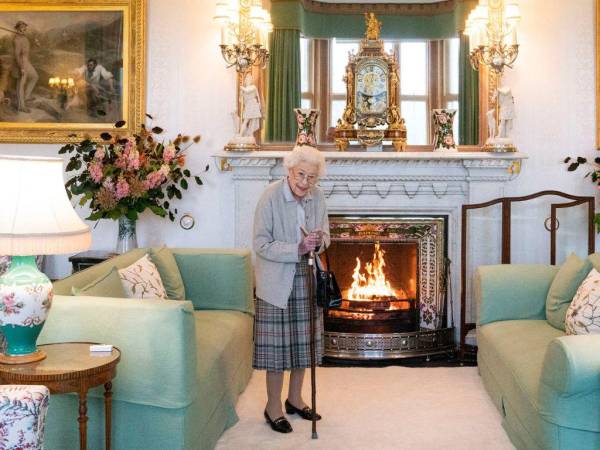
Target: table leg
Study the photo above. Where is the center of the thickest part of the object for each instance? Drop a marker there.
(83, 420)
(107, 412)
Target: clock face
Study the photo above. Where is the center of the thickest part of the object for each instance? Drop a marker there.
(371, 89)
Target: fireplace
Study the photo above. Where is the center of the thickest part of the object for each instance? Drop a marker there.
(391, 274)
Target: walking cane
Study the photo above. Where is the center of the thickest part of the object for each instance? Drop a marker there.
(312, 309)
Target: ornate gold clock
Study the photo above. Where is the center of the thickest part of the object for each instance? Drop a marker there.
(371, 113)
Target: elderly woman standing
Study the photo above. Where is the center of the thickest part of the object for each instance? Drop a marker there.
(282, 320)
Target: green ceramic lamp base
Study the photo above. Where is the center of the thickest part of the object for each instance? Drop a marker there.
(25, 299)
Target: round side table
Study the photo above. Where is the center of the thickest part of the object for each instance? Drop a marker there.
(70, 367)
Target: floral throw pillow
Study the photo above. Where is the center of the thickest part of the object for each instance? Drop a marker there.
(583, 314)
(142, 280)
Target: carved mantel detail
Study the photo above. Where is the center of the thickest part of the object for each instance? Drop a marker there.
(386, 174)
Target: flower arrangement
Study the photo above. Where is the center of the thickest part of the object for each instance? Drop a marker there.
(573, 165)
(125, 175)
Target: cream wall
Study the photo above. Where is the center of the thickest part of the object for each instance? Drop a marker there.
(189, 90)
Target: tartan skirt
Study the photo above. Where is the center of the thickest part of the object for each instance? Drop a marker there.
(282, 336)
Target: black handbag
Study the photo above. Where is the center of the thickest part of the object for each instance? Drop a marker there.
(328, 291)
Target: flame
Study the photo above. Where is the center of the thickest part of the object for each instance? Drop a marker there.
(373, 283)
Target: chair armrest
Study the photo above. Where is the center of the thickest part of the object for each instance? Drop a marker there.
(217, 278)
(156, 339)
(572, 364)
(512, 291)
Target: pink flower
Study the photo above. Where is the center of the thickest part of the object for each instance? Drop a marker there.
(442, 118)
(133, 160)
(109, 185)
(448, 140)
(100, 153)
(169, 153)
(122, 189)
(8, 304)
(153, 179)
(95, 169)
(302, 138)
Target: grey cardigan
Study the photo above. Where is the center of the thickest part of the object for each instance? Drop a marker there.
(275, 239)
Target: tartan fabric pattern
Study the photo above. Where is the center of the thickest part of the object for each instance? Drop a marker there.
(282, 336)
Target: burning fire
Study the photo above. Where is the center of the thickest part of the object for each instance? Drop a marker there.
(372, 284)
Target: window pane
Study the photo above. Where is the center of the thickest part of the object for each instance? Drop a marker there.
(339, 60)
(388, 46)
(304, 76)
(452, 57)
(454, 105)
(413, 68)
(415, 115)
(305, 103)
(337, 109)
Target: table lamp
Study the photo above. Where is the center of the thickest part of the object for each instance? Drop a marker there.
(36, 219)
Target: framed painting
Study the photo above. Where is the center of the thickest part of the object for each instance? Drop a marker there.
(70, 68)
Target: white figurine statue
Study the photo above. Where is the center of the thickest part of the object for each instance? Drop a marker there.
(499, 136)
(507, 112)
(251, 110)
(249, 120)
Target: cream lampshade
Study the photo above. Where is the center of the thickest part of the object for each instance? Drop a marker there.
(37, 219)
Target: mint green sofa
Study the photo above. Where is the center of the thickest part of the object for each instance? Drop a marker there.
(545, 384)
(183, 363)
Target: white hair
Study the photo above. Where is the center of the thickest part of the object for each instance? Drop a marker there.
(305, 153)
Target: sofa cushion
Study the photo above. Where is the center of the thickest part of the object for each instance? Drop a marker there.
(217, 278)
(142, 280)
(169, 272)
(563, 288)
(583, 314)
(108, 285)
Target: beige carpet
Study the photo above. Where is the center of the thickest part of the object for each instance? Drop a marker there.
(379, 408)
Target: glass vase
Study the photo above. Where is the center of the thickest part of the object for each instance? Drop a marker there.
(307, 121)
(127, 239)
(443, 133)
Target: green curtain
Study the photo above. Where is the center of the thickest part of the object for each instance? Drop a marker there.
(468, 97)
(284, 85)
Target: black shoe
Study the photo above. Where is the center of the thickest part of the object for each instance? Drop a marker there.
(281, 425)
(305, 413)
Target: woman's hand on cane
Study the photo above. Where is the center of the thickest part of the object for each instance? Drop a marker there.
(310, 242)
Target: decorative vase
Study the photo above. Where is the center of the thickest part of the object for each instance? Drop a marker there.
(443, 134)
(25, 299)
(306, 119)
(127, 239)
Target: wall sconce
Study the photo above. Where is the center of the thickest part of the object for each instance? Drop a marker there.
(492, 31)
(245, 27)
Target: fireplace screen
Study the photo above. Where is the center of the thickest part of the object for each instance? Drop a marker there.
(390, 272)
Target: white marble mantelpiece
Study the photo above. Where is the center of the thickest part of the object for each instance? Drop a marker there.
(385, 183)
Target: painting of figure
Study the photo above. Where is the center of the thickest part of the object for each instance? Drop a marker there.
(62, 67)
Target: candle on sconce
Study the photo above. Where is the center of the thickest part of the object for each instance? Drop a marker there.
(513, 37)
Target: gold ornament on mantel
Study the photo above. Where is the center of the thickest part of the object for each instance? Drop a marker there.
(371, 114)
(373, 27)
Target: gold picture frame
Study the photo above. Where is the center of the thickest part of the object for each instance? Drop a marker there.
(597, 74)
(70, 68)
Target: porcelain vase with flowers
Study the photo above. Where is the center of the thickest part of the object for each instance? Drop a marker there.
(123, 176)
(443, 131)
(307, 122)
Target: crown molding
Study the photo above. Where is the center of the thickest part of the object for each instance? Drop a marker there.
(407, 9)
